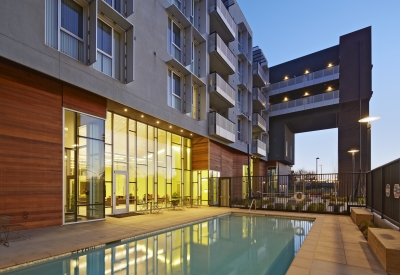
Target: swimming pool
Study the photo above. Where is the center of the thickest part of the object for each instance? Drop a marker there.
(230, 244)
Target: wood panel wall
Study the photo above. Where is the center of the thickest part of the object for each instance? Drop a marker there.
(31, 152)
(226, 160)
(200, 154)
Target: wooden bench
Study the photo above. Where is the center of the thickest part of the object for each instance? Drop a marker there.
(359, 214)
(386, 245)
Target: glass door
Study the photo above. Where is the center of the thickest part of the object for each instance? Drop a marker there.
(225, 196)
(121, 192)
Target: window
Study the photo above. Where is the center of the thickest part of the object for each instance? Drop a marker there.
(239, 126)
(174, 40)
(195, 65)
(239, 101)
(116, 4)
(66, 34)
(195, 95)
(174, 91)
(178, 3)
(240, 41)
(108, 50)
(240, 71)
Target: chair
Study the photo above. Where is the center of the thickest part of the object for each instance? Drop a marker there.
(4, 229)
(21, 226)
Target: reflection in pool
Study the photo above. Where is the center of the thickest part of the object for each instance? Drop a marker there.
(231, 244)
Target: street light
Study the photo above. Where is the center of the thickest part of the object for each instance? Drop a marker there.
(368, 120)
(353, 153)
(316, 165)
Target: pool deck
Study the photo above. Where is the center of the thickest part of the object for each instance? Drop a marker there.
(334, 244)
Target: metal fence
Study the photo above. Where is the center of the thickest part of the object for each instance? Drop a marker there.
(322, 193)
(383, 191)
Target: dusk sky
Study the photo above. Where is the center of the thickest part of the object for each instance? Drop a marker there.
(288, 29)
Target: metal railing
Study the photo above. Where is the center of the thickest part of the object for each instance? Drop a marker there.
(258, 120)
(383, 191)
(257, 145)
(217, 83)
(215, 42)
(257, 69)
(221, 126)
(322, 193)
(304, 101)
(217, 5)
(304, 78)
(258, 95)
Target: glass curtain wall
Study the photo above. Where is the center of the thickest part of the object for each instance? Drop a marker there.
(158, 163)
(202, 191)
(84, 167)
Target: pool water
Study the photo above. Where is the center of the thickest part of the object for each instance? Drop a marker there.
(231, 244)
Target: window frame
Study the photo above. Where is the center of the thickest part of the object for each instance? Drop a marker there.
(113, 5)
(114, 28)
(171, 88)
(172, 45)
(85, 14)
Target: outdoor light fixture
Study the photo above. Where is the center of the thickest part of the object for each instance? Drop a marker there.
(353, 158)
(306, 72)
(330, 65)
(158, 122)
(181, 131)
(368, 120)
(316, 165)
(170, 126)
(329, 88)
(286, 78)
(285, 99)
(191, 134)
(306, 94)
(142, 116)
(126, 110)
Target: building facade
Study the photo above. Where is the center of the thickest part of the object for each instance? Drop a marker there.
(111, 106)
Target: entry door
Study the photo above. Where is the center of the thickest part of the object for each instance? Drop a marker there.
(120, 192)
(225, 196)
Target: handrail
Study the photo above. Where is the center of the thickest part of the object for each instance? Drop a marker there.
(216, 81)
(216, 42)
(257, 69)
(216, 5)
(305, 100)
(303, 78)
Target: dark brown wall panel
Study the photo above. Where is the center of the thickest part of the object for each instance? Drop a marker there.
(83, 101)
(200, 154)
(30, 148)
(226, 160)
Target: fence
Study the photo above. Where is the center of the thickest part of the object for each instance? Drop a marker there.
(383, 191)
(322, 193)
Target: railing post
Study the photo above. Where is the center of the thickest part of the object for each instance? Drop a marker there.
(383, 194)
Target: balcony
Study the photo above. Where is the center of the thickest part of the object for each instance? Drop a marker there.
(221, 21)
(259, 100)
(305, 103)
(222, 60)
(259, 76)
(259, 123)
(176, 9)
(258, 148)
(221, 127)
(222, 95)
(302, 81)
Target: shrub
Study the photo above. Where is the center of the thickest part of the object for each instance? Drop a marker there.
(279, 206)
(270, 206)
(288, 207)
(364, 224)
(326, 197)
(299, 206)
(318, 207)
(361, 200)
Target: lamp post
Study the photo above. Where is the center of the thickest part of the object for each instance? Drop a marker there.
(316, 165)
(368, 121)
(353, 153)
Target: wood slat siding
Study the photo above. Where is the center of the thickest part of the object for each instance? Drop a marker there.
(31, 138)
(82, 101)
(31, 152)
(228, 161)
(200, 154)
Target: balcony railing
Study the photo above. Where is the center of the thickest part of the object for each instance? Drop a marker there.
(223, 94)
(259, 99)
(305, 103)
(221, 127)
(261, 78)
(219, 7)
(258, 147)
(259, 122)
(216, 44)
(304, 78)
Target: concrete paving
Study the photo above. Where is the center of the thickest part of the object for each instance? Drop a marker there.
(334, 244)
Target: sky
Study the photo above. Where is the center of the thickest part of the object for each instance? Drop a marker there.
(288, 29)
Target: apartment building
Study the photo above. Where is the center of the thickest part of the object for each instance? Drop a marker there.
(112, 106)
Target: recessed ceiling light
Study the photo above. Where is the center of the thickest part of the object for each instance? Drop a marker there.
(329, 88)
(286, 78)
(126, 110)
(306, 72)
(181, 130)
(330, 65)
(66, 129)
(306, 93)
(158, 122)
(285, 99)
(191, 134)
(142, 115)
(170, 126)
